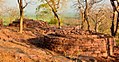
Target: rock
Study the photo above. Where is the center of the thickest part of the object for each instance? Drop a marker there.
(87, 59)
(30, 23)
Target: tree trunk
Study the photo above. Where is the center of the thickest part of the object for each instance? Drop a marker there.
(88, 27)
(117, 24)
(21, 16)
(86, 15)
(83, 20)
(112, 26)
(21, 21)
(56, 15)
(115, 12)
(96, 23)
(95, 27)
(82, 25)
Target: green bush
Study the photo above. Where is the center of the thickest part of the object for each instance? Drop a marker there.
(53, 21)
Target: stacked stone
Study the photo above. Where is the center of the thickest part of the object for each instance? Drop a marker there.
(30, 23)
(79, 43)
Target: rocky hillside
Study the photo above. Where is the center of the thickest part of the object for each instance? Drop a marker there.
(41, 43)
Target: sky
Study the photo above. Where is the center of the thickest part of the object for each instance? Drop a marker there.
(30, 9)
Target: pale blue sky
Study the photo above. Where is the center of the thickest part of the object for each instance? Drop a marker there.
(30, 9)
(13, 3)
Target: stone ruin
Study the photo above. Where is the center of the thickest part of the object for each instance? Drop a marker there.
(71, 41)
(29, 23)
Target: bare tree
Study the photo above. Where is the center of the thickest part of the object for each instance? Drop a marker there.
(98, 16)
(55, 5)
(85, 6)
(115, 18)
(21, 8)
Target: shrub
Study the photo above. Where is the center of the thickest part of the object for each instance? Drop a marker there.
(53, 21)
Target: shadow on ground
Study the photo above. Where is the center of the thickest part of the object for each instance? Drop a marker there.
(44, 42)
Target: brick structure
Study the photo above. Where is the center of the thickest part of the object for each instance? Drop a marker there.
(27, 23)
(74, 42)
(86, 47)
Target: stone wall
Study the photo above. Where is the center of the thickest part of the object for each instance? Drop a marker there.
(74, 42)
(85, 47)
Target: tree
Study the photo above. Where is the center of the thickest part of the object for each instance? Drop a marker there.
(98, 16)
(115, 18)
(55, 5)
(21, 8)
(84, 7)
(42, 11)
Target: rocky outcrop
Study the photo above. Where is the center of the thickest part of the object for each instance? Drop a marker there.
(40, 42)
